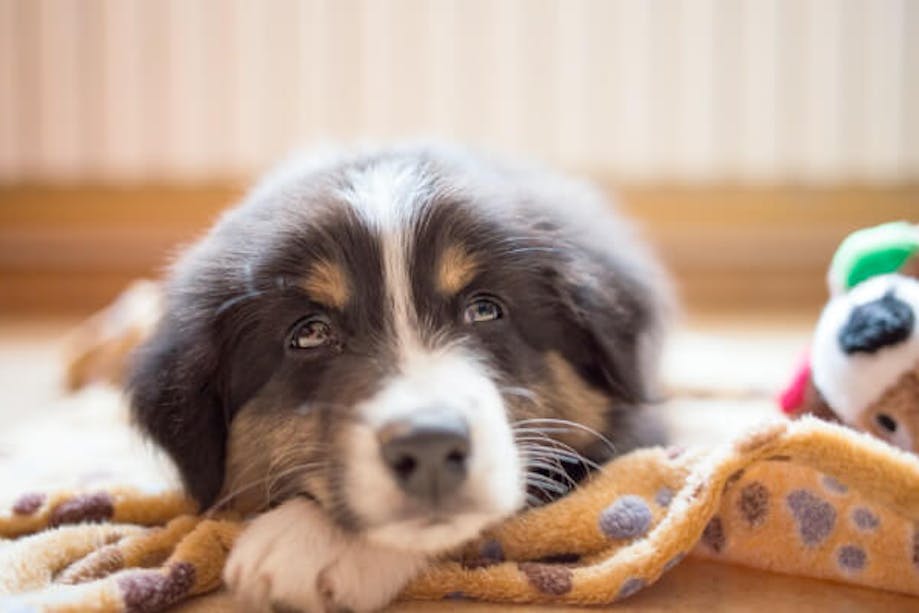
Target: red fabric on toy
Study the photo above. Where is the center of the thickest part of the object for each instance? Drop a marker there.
(792, 397)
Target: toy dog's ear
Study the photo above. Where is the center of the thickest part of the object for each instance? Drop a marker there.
(801, 396)
(175, 400)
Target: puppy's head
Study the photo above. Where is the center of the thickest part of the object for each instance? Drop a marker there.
(416, 339)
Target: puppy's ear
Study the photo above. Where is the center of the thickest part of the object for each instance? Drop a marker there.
(615, 315)
(175, 400)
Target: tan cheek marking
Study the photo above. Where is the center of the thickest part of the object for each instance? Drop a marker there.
(261, 445)
(573, 399)
(457, 267)
(328, 284)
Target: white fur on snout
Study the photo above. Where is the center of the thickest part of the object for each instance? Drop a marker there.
(455, 381)
(852, 382)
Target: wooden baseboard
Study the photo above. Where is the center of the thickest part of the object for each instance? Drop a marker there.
(70, 250)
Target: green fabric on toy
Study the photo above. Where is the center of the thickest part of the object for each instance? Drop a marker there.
(863, 367)
(871, 252)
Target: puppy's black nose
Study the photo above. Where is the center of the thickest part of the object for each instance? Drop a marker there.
(877, 324)
(426, 453)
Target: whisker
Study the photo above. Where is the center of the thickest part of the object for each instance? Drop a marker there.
(517, 250)
(532, 501)
(520, 391)
(542, 430)
(231, 302)
(248, 485)
(545, 483)
(568, 423)
(555, 470)
(303, 469)
(574, 455)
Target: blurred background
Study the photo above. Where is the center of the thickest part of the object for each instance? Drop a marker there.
(749, 136)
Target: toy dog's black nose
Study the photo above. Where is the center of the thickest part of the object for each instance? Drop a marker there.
(426, 453)
(877, 324)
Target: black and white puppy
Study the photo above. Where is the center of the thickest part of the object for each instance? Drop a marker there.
(384, 352)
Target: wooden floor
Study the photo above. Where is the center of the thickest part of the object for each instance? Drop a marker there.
(724, 372)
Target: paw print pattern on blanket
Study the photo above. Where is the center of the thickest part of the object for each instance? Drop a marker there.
(806, 498)
(830, 526)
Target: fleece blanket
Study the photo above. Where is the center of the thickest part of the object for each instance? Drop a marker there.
(807, 498)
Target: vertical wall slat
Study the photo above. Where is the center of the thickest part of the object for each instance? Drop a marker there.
(852, 98)
(377, 68)
(476, 71)
(508, 64)
(729, 64)
(247, 100)
(281, 99)
(91, 86)
(791, 89)
(60, 108)
(630, 133)
(666, 88)
(9, 92)
(311, 78)
(442, 58)
(155, 83)
(822, 91)
(410, 45)
(536, 103)
(759, 119)
(341, 89)
(696, 130)
(122, 141)
(600, 103)
(571, 79)
(883, 75)
(185, 98)
(909, 142)
(212, 148)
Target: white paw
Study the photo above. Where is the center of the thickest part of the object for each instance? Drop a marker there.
(293, 557)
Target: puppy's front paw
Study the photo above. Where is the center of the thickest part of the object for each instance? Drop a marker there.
(277, 562)
(294, 558)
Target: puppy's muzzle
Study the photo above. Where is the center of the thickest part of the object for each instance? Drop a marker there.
(427, 453)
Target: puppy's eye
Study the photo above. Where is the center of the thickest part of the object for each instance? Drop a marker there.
(312, 332)
(481, 310)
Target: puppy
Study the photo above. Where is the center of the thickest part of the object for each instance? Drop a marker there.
(382, 353)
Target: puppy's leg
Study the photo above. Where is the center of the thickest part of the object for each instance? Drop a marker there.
(295, 557)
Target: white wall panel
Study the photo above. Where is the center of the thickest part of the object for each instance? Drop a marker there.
(816, 91)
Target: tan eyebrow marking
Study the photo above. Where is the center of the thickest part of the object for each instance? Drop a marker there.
(456, 269)
(328, 283)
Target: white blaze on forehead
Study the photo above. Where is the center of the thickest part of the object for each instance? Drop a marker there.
(850, 383)
(387, 196)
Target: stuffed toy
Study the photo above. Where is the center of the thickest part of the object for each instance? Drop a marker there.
(863, 365)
